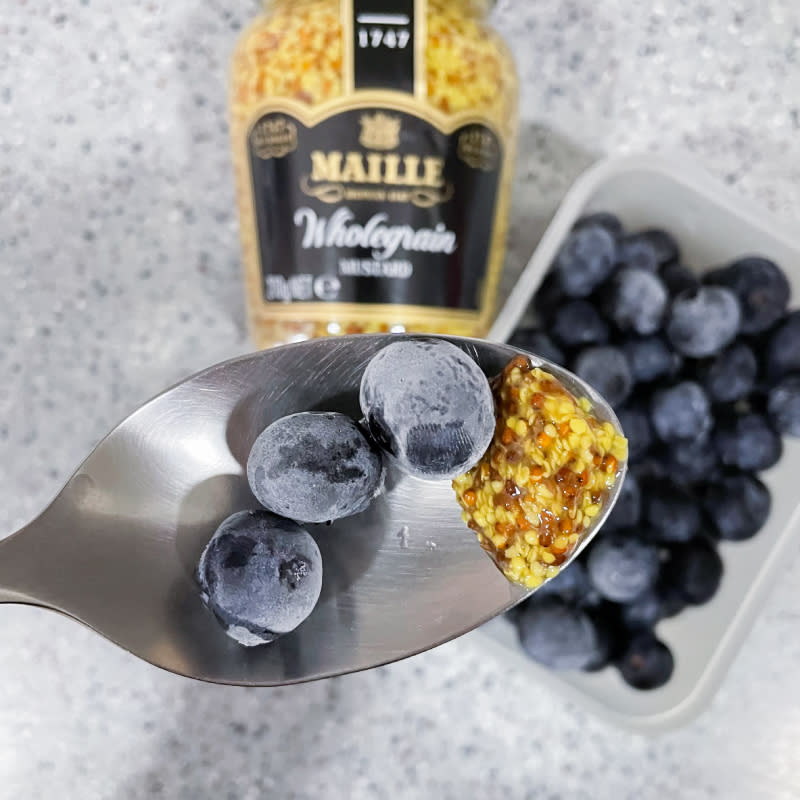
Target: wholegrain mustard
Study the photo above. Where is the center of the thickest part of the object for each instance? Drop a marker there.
(544, 478)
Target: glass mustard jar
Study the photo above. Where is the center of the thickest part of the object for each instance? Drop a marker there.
(374, 144)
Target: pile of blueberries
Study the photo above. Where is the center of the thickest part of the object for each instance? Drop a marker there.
(704, 374)
(427, 409)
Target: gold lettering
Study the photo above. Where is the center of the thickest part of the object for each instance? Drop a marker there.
(411, 166)
(353, 171)
(326, 167)
(377, 168)
(434, 172)
(375, 161)
(391, 173)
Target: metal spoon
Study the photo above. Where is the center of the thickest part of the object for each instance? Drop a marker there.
(117, 548)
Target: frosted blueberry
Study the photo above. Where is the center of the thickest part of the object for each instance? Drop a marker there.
(428, 404)
(703, 321)
(261, 575)
(314, 467)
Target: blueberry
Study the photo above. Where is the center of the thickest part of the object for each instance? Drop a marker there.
(783, 347)
(635, 300)
(651, 467)
(703, 321)
(606, 369)
(636, 426)
(644, 611)
(693, 461)
(638, 252)
(614, 633)
(428, 403)
(748, 442)
(678, 278)
(261, 575)
(731, 375)
(577, 324)
(602, 219)
(559, 635)
(738, 505)
(650, 358)
(681, 412)
(649, 250)
(695, 569)
(667, 249)
(585, 260)
(671, 597)
(314, 467)
(611, 633)
(647, 663)
(621, 567)
(671, 511)
(549, 297)
(627, 510)
(572, 584)
(538, 343)
(784, 405)
(761, 287)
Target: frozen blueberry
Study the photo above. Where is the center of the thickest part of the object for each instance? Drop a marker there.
(578, 324)
(647, 663)
(693, 461)
(748, 442)
(636, 426)
(635, 300)
(644, 611)
(628, 509)
(537, 343)
(667, 249)
(784, 405)
(671, 512)
(559, 635)
(731, 375)
(621, 566)
(612, 635)
(651, 467)
(672, 599)
(638, 252)
(602, 219)
(429, 405)
(738, 505)
(695, 568)
(703, 321)
(585, 260)
(783, 347)
(606, 369)
(261, 575)
(650, 358)
(761, 287)
(549, 297)
(681, 412)
(678, 278)
(572, 584)
(649, 250)
(314, 467)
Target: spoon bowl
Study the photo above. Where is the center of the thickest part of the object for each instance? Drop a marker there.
(117, 548)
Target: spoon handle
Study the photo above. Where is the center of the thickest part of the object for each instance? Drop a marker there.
(18, 568)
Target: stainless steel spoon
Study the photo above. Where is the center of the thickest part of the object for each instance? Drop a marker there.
(117, 548)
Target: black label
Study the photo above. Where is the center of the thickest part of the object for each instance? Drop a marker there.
(383, 50)
(373, 206)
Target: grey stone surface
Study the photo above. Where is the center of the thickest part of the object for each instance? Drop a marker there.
(119, 264)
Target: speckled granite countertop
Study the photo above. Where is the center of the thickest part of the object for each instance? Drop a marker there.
(120, 271)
